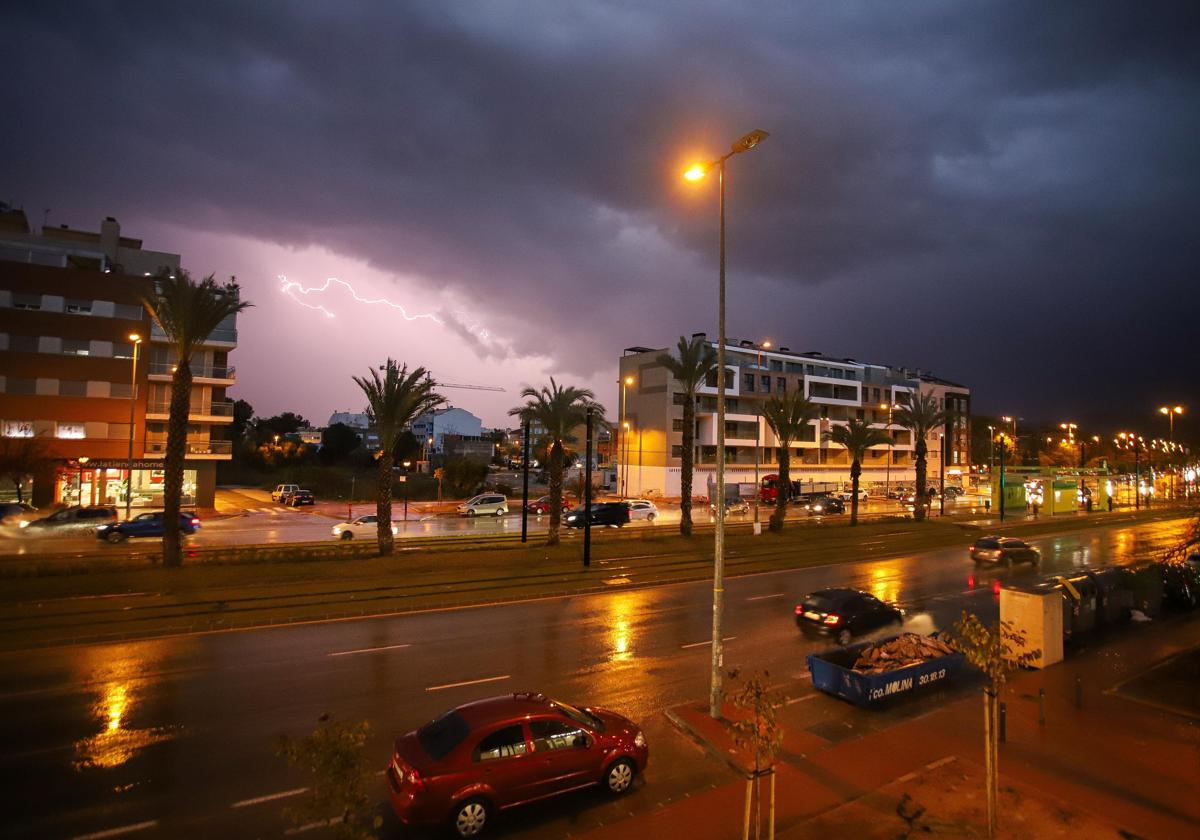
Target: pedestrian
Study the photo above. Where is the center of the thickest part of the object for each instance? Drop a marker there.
(1110, 502)
(987, 505)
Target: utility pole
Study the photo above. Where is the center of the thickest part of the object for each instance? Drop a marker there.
(587, 495)
(525, 484)
(1001, 476)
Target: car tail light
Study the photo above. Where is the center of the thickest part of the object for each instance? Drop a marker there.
(996, 587)
(831, 619)
(195, 521)
(799, 609)
(970, 548)
(413, 778)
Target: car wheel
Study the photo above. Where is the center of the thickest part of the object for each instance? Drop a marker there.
(471, 513)
(843, 638)
(471, 818)
(115, 536)
(501, 512)
(347, 536)
(650, 517)
(619, 777)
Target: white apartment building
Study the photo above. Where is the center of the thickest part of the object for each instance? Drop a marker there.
(649, 425)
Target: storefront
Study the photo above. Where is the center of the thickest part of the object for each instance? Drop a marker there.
(104, 482)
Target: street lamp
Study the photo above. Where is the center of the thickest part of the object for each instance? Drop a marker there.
(1133, 441)
(766, 345)
(887, 481)
(742, 144)
(407, 464)
(136, 340)
(623, 462)
(1171, 411)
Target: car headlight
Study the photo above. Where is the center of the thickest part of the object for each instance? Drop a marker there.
(639, 740)
(24, 523)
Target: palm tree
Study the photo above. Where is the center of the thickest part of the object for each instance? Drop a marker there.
(787, 414)
(187, 312)
(690, 368)
(857, 436)
(921, 416)
(394, 400)
(559, 409)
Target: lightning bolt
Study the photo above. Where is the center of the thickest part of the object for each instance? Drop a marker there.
(291, 288)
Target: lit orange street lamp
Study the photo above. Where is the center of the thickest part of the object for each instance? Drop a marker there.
(136, 341)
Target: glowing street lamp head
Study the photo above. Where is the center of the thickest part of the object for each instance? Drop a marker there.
(628, 380)
(748, 141)
(135, 338)
(766, 345)
(697, 172)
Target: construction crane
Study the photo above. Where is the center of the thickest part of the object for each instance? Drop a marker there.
(455, 385)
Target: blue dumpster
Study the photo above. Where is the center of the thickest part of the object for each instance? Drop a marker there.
(833, 672)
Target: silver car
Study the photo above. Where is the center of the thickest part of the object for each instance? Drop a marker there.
(365, 527)
(485, 504)
(642, 509)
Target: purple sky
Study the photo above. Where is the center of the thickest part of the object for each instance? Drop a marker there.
(1005, 193)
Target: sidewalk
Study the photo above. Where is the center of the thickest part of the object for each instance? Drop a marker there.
(1115, 765)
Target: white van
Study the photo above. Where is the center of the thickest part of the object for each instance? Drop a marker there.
(281, 491)
(485, 504)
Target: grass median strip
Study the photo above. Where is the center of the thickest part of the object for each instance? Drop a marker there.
(152, 601)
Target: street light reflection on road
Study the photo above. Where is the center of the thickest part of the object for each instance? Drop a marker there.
(120, 674)
(622, 606)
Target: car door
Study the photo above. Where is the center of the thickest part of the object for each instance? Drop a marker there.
(366, 524)
(566, 753)
(504, 763)
(146, 525)
(875, 613)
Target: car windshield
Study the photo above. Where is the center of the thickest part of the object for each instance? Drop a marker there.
(580, 716)
(440, 736)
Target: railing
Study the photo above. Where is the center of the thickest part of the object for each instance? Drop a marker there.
(216, 409)
(194, 447)
(211, 372)
(223, 335)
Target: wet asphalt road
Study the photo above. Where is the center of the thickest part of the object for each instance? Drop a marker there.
(174, 735)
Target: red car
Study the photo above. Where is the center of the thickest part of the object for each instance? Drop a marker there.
(542, 505)
(487, 756)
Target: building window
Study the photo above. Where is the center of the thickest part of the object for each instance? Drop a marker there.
(76, 306)
(23, 343)
(780, 384)
(677, 425)
(118, 431)
(20, 386)
(121, 390)
(676, 451)
(18, 428)
(766, 384)
(72, 388)
(128, 311)
(25, 300)
(76, 346)
(70, 431)
(122, 351)
(748, 382)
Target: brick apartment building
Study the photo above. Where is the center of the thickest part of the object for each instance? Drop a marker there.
(70, 301)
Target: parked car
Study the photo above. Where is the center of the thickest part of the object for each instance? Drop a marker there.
(14, 513)
(542, 505)
(299, 497)
(847, 495)
(734, 505)
(642, 509)
(953, 491)
(145, 525)
(485, 504)
(1181, 585)
(825, 505)
(1003, 551)
(462, 768)
(282, 490)
(72, 520)
(365, 527)
(843, 614)
(612, 514)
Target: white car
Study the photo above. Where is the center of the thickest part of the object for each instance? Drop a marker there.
(848, 494)
(485, 504)
(365, 527)
(642, 509)
(282, 490)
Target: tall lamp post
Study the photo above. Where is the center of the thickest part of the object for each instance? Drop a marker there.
(1002, 440)
(766, 345)
(625, 383)
(136, 340)
(1171, 411)
(1132, 440)
(887, 481)
(743, 144)
(407, 464)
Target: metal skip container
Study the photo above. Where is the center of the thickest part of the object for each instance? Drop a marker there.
(833, 672)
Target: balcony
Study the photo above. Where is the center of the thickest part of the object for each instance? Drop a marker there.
(212, 412)
(156, 447)
(163, 371)
(226, 337)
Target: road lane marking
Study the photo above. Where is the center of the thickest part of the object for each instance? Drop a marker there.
(468, 682)
(709, 642)
(366, 650)
(270, 797)
(799, 699)
(117, 832)
(309, 826)
(765, 597)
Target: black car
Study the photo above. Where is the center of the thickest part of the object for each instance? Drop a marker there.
(1003, 551)
(1181, 585)
(299, 497)
(844, 613)
(145, 525)
(12, 513)
(613, 514)
(825, 504)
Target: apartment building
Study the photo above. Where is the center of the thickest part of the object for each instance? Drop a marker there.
(70, 303)
(649, 422)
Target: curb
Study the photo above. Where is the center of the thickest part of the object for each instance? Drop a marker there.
(708, 746)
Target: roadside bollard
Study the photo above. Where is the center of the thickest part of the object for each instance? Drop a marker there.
(1003, 722)
(1041, 707)
(1078, 692)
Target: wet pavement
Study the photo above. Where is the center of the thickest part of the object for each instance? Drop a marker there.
(173, 736)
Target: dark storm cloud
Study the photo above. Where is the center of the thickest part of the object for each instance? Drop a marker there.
(1005, 192)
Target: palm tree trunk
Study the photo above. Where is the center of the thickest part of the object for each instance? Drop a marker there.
(685, 473)
(177, 429)
(855, 472)
(383, 503)
(919, 501)
(784, 494)
(556, 488)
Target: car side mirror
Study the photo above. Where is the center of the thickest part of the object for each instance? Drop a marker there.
(582, 742)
